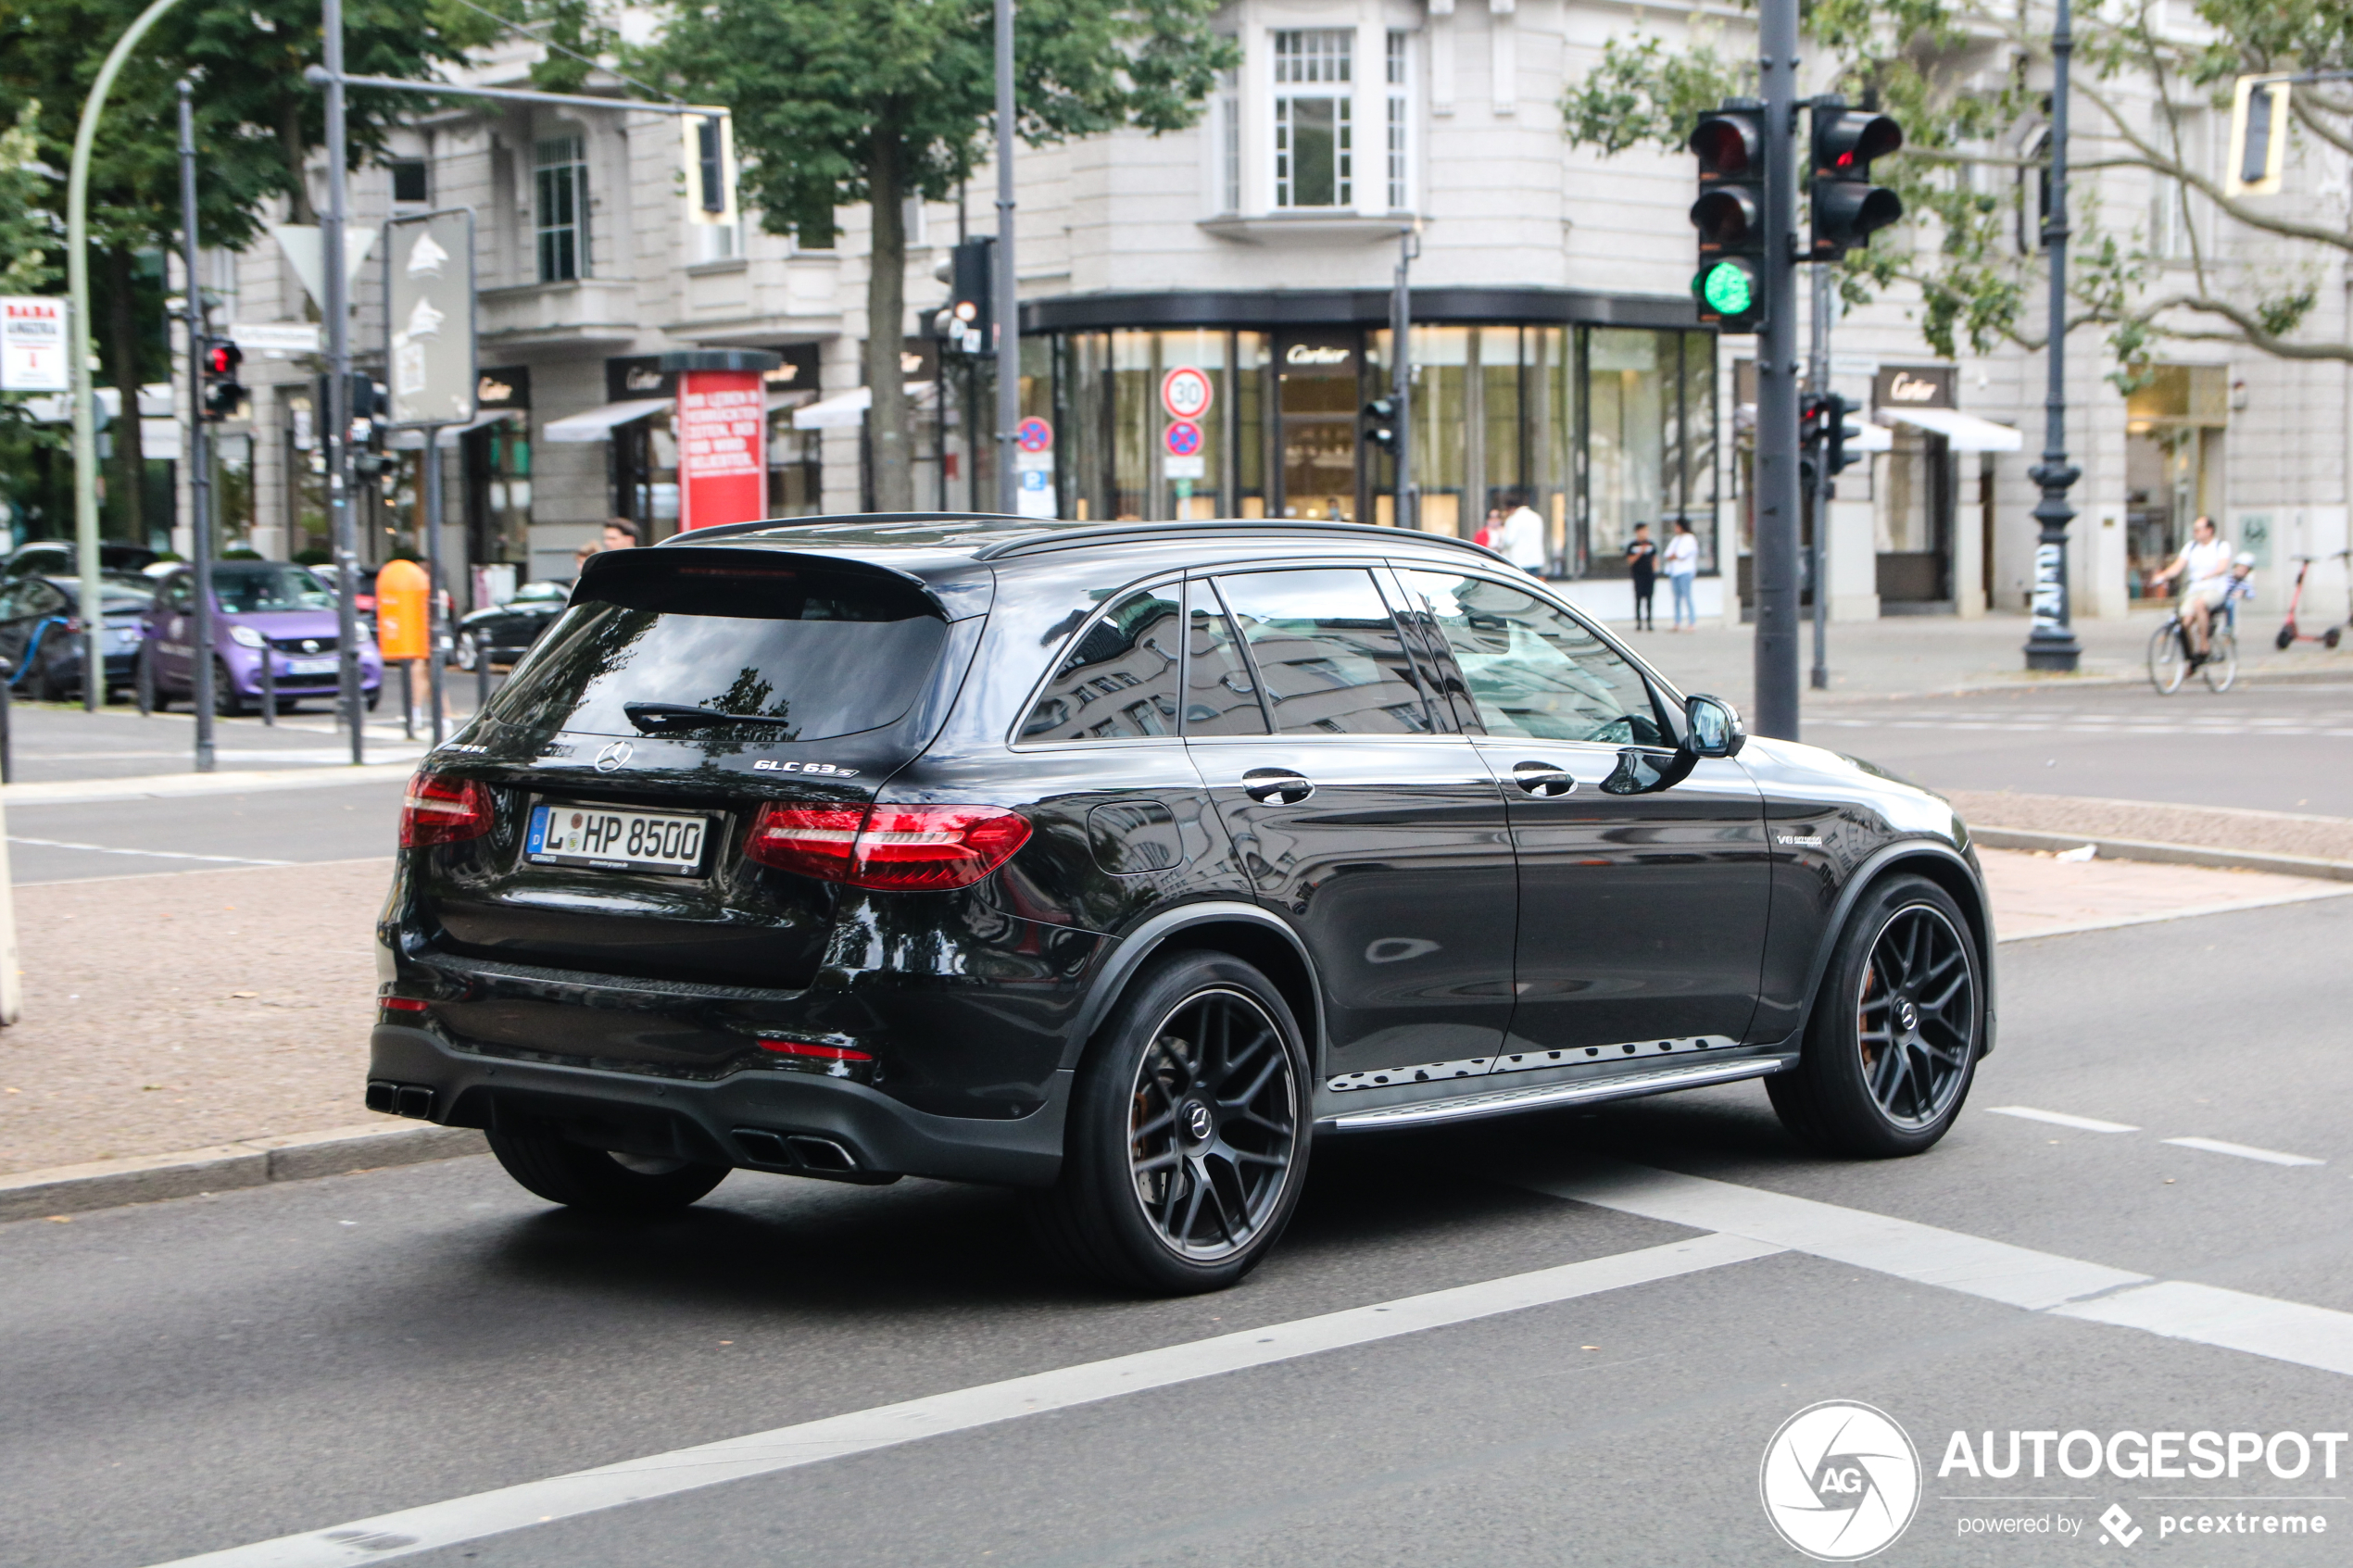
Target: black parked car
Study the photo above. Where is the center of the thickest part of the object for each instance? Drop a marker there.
(41, 632)
(1116, 862)
(503, 632)
(58, 558)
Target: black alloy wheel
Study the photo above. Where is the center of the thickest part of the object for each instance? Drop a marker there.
(598, 1181)
(1187, 1134)
(1896, 1030)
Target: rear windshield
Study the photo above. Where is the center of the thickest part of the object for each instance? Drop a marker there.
(766, 653)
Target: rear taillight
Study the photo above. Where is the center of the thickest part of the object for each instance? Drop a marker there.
(441, 811)
(811, 1049)
(888, 849)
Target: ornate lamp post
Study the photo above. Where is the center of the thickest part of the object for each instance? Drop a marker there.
(2052, 645)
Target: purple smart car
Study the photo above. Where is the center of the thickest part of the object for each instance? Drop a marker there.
(258, 604)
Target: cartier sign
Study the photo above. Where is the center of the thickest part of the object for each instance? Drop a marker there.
(1913, 386)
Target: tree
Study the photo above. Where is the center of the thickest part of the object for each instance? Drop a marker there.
(257, 125)
(1966, 80)
(837, 102)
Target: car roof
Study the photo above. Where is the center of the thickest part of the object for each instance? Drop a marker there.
(938, 537)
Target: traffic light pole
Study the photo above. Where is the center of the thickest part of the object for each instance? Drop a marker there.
(1825, 483)
(199, 446)
(2052, 645)
(1007, 285)
(335, 285)
(1775, 559)
(1400, 338)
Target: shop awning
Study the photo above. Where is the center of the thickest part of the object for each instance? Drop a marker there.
(1872, 438)
(595, 425)
(842, 410)
(1964, 433)
(413, 440)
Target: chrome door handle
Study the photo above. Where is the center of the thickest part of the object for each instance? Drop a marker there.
(1279, 785)
(1542, 779)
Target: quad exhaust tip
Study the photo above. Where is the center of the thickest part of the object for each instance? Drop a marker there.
(412, 1100)
(796, 1151)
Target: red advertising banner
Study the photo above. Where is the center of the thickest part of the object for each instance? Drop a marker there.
(723, 448)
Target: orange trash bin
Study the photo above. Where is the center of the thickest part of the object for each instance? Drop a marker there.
(404, 630)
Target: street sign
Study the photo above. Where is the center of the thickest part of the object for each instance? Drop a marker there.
(1034, 434)
(429, 317)
(1182, 438)
(1186, 393)
(276, 338)
(32, 344)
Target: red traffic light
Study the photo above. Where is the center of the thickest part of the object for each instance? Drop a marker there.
(222, 359)
(1729, 144)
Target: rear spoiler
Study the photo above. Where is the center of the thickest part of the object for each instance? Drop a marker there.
(646, 578)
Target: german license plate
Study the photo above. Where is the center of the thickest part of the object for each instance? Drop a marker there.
(309, 666)
(616, 840)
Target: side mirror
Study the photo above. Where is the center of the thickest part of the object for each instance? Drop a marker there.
(1714, 728)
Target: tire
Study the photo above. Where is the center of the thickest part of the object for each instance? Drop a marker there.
(598, 1182)
(1185, 1151)
(2286, 635)
(2221, 666)
(468, 652)
(1907, 941)
(226, 702)
(2329, 638)
(2168, 665)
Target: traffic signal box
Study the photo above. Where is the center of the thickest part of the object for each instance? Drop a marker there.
(222, 393)
(1380, 423)
(1730, 285)
(1824, 430)
(1847, 207)
(967, 324)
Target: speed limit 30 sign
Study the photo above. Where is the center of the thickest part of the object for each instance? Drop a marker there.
(1186, 393)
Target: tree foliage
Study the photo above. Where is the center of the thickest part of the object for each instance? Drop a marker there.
(838, 102)
(1969, 81)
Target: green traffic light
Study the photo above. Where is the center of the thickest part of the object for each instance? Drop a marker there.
(1728, 289)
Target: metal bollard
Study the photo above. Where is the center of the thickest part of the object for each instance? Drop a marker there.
(408, 700)
(269, 684)
(8, 743)
(142, 683)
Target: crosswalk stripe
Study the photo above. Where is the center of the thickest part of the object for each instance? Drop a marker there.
(435, 1525)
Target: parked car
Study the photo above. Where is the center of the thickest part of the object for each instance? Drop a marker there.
(363, 599)
(57, 558)
(258, 604)
(41, 632)
(503, 633)
(1118, 864)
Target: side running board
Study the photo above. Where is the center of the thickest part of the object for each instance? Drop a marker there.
(1502, 1102)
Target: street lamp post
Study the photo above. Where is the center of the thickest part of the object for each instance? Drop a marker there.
(200, 671)
(1007, 286)
(335, 285)
(2052, 645)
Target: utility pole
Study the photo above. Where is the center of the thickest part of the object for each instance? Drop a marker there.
(1777, 415)
(1825, 483)
(2052, 645)
(1008, 311)
(341, 532)
(200, 694)
(1401, 337)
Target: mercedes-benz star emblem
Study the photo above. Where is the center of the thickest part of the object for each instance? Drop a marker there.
(613, 755)
(1197, 1120)
(1907, 1015)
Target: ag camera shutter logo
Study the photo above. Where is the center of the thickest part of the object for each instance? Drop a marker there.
(1840, 1480)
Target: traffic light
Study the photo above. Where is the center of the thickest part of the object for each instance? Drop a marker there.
(2258, 137)
(966, 323)
(222, 394)
(1729, 216)
(1836, 432)
(1380, 423)
(1847, 207)
(366, 433)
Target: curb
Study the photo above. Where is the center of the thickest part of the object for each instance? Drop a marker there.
(2167, 854)
(77, 1189)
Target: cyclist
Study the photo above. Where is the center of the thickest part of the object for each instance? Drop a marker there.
(2204, 567)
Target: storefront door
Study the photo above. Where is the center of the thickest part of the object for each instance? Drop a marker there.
(1316, 375)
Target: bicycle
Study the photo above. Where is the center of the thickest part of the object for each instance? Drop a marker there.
(2173, 655)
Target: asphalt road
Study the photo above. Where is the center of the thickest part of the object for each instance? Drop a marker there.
(196, 1376)
(71, 841)
(2270, 747)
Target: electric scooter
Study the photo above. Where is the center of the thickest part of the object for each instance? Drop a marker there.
(2289, 634)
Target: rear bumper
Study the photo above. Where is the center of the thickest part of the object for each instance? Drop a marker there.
(708, 1121)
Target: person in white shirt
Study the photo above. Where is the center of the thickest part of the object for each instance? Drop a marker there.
(1681, 564)
(1523, 541)
(2204, 567)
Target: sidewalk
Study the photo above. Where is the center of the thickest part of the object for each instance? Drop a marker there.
(1918, 655)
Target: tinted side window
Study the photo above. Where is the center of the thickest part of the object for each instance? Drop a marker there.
(1119, 682)
(1533, 670)
(42, 598)
(1329, 655)
(1221, 695)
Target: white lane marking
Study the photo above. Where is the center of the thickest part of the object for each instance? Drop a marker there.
(2259, 1325)
(1926, 1254)
(765, 1453)
(2301, 896)
(153, 854)
(2061, 1119)
(2280, 1330)
(2245, 1151)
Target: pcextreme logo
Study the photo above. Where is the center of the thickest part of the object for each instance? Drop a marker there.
(1840, 1480)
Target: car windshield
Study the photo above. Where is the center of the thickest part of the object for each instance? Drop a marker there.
(249, 589)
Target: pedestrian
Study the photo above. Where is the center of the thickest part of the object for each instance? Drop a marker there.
(1522, 535)
(1682, 565)
(1490, 531)
(580, 559)
(1642, 565)
(621, 535)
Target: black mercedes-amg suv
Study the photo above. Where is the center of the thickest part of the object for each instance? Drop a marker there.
(1116, 863)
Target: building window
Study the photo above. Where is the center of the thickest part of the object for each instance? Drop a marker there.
(1314, 136)
(1229, 141)
(410, 184)
(562, 167)
(719, 241)
(1400, 189)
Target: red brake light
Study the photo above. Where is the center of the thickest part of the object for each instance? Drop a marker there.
(440, 811)
(811, 1049)
(402, 1003)
(888, 849)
